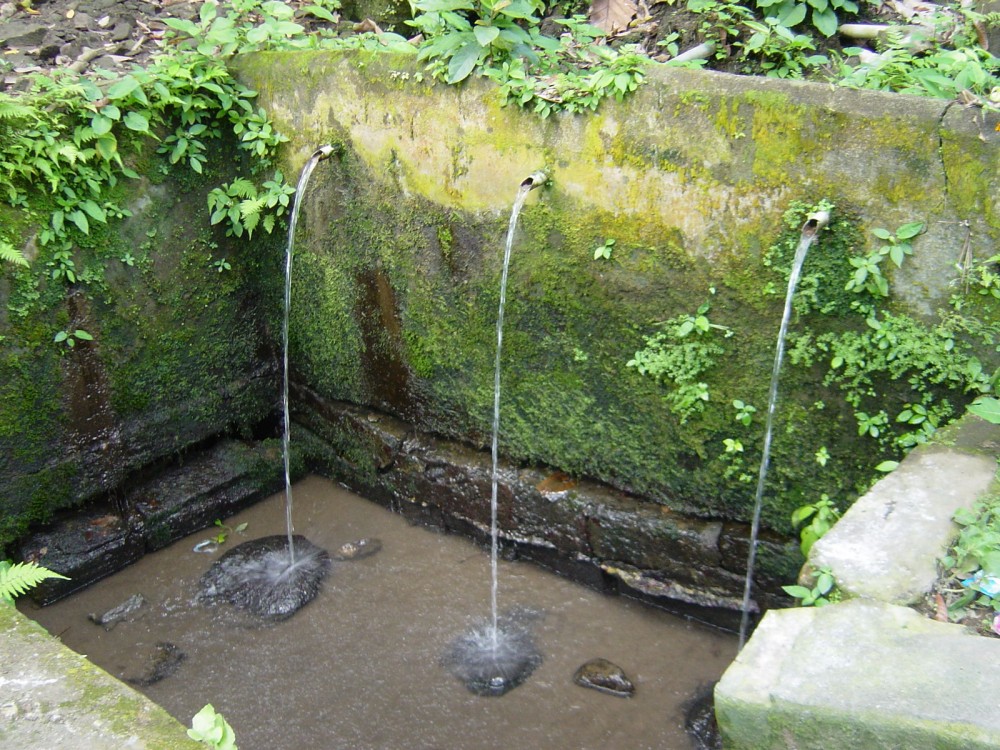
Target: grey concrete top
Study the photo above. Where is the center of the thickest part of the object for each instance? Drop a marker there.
(888, 545)
(860, 674)
(52, 698)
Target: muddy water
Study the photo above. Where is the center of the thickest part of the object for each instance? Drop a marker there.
(358, 668)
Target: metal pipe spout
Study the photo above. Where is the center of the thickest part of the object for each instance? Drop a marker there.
(534, 180)
(325, 152)
(814, 222)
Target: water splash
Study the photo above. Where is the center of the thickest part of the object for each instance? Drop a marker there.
(267, 578)
(318, 155)
(494, 659)
(814, 222)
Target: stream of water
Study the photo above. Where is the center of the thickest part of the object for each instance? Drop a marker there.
(300, 189)
(522, 195)
(809, 231)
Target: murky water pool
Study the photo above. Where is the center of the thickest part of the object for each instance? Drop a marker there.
(359, 668)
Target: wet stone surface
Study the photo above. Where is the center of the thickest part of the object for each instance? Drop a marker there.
(699, 720)
(605, 676)
(256, 577)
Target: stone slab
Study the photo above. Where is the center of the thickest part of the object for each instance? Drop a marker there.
(53, 698)
(888, 545)
(860, 674)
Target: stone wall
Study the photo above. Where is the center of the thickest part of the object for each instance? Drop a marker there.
(397, 272)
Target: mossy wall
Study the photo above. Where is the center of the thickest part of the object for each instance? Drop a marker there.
(397, 271)
(179, 353)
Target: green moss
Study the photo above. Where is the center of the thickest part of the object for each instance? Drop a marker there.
(971, 179)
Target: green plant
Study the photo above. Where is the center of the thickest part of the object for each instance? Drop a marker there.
(10, 254)
(211, 728)
(225, 531)
(974, 558)
(17, 578)
(244, 206)
(821, 515)
(940, 73)
(822, 13)
(604, 250)
(987, 408)
(62, 265)
(821, 593)
(780, 52)
(822, 455)
(722, 20)
(461, 34)
(248, 26)
(744, 412)
(70, 338)
(678, 355)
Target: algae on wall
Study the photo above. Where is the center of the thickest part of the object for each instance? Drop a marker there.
(396, 280)
(178, 353)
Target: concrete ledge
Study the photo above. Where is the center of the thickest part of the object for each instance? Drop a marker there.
(52, 698)
(867, 673)
(860, 674)
(888, 545)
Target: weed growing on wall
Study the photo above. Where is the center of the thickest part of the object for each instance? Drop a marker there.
(895, 377)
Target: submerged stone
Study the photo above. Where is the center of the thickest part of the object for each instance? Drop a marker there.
(256, 576)
(358, 549)
(491, 663)
(165, 662)
(123, 611)
(601, 674)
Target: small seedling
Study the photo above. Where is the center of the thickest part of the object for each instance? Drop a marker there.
(817, 596)
(71, 337)
(604, 251)
(822, 515)
(225, 531)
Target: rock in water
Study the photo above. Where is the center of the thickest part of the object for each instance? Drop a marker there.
(699, 720)
(605, 676)
(359, 549)
(165, 662)
(256, 576)
(123, 611)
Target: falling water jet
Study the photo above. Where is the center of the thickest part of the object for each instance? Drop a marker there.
(323, 152)
(263, 576)
(500, 655)
(810, 229)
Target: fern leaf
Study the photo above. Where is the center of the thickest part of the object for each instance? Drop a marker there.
(20, 577)
(251, 207)
(13, 110)
(11, 254)
(242, 188)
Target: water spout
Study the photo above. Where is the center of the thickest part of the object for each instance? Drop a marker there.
(324, 152)
(813, 223)
(810, 229)
(534, 180)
